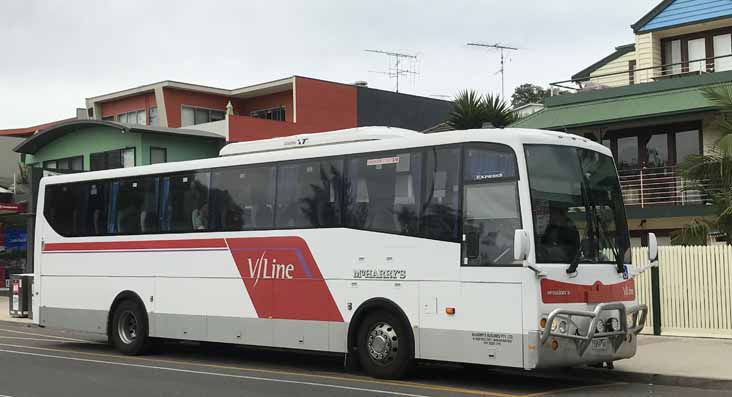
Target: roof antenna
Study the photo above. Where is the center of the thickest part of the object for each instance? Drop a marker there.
(500, 48)
(396, 70)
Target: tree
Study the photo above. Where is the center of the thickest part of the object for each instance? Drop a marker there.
(472, 110)
(711, 175)
(528, 93)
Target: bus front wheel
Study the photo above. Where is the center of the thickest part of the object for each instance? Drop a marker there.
(129, 331)
(384, 346)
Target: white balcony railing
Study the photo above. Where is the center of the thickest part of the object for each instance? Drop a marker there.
(633, 76)
(658, 186)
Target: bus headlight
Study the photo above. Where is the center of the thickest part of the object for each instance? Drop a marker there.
(563, 327)
(613, 324)
(555, 323)
(600, 327)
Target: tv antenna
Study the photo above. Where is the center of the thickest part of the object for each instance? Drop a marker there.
(396, 70)
(501, 48)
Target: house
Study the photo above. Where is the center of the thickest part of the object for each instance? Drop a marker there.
(288, 106)
(644, 101)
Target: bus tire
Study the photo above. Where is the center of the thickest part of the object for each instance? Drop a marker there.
(129, 333)
(384, 345)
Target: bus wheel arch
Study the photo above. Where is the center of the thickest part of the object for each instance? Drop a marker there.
(365, 312)
(132, 306)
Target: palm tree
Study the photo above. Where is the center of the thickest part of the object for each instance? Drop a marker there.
(472, 110)
(711, 175)
(498, 112)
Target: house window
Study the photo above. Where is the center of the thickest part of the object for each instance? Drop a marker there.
(631, 72)
(108, 118)
(75, 163)
(654, 147)
(722, 45)
(134, 117)
(193, 116)
(152, 115)
(270, 114)
(158, 155)
(707, 51)
(120, 158)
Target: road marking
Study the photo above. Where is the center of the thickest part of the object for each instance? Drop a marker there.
(568, 389)
(290, 373)
(49, 336)
(39, 339)
(188, 371)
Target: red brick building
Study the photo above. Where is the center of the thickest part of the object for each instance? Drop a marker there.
(283, 107)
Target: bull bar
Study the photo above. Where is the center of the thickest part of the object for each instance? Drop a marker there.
(639, 313)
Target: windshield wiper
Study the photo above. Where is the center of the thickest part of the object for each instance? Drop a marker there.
(572, 269)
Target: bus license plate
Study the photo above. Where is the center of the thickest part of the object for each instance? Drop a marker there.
(599, 344)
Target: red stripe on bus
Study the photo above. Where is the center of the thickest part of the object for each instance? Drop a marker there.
(553, 291)
(283, 279)
(136, 245)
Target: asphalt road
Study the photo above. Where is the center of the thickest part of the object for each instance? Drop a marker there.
(41, 362)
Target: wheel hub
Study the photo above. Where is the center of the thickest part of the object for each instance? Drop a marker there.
(127, 327)
(382, 343)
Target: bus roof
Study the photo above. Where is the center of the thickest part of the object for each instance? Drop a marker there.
(342, 142)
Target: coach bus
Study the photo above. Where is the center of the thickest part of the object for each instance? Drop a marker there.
(505, 247)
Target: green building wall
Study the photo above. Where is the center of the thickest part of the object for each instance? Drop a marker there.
(89, 140)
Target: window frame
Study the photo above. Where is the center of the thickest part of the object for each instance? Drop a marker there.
(281, 108)
(516, 179)
(669, 129)
(69, 159)
(106, 159)
(194, 108)
(136, 111)
(707, 35)
(165, 154)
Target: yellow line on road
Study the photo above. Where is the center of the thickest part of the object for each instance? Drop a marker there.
(568, 389)
(290, 373)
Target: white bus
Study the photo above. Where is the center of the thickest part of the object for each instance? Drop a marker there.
(504, 247)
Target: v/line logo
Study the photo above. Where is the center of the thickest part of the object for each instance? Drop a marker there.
(263, 269)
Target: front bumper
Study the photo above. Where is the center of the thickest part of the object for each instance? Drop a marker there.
(587, 345)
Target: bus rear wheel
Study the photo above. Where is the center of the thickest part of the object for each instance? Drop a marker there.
(384, 346)
(129, 331)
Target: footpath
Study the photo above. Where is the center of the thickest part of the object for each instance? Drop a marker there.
(659, 360)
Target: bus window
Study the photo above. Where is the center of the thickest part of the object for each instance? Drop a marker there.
(384, 193)
(184, 202)
(308, 194)
(133, 206)
(441, 214)
(491, 208)
(65, 208)
(96, 213)
(242, 198)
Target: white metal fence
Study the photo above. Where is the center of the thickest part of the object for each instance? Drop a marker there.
(695, 285)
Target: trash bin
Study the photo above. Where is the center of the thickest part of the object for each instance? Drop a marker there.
(21, 286)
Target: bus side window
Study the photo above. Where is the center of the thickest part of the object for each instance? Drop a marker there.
(383, 193)
(309, 194)
(184, 200)
(441, 214)
(65, 208)
(491, 205)
(242, 198)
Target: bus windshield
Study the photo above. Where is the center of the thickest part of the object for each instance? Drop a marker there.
(577, 206)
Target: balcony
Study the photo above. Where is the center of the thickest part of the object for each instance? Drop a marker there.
(632, 76)
(661, 186)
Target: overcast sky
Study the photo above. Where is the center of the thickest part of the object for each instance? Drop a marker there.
(54, 54)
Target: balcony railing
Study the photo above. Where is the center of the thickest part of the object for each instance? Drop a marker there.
(649, 187)
(645, 75)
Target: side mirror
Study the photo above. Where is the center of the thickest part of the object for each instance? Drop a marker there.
(652, 249)
(520, 245)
